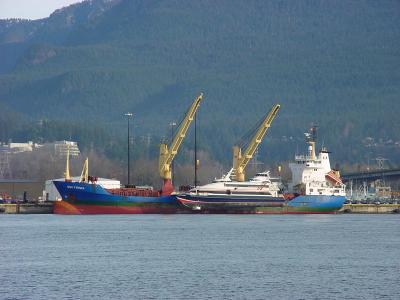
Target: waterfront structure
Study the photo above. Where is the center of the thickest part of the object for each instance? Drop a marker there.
(19, 190)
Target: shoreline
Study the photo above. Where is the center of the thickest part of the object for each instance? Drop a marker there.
(47, 208)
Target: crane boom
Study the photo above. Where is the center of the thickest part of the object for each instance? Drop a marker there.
(240, 161)
(167, 154)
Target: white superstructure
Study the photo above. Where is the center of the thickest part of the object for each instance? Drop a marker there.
(312, 174)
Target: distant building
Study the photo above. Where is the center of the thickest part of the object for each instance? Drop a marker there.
(19, 147)
(61, 148)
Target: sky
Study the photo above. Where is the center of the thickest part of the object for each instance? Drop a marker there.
(31, 9)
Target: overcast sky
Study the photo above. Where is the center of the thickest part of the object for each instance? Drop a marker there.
(31, 9)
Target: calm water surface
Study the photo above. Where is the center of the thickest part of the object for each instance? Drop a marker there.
(200, 257)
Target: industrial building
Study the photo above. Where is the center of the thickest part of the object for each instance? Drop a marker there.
(21, 190)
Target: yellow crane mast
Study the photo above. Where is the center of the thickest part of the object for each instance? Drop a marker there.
(85, 171)
(240, 161)
(168, 153)
(66, 173)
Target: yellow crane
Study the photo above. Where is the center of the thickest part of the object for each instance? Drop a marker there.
(168, 153)
(240, 161)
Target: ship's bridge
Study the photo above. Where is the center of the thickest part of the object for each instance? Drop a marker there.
(303, 159)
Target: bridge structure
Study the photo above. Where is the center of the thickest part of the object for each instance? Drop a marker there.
(385, 182)
(389, 174)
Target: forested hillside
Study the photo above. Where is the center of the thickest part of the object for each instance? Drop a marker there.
(331, 63)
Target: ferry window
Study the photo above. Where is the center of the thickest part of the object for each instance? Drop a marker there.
(311, 190)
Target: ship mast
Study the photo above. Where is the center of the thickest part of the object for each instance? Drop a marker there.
(311, 138)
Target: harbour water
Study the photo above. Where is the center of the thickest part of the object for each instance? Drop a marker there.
(200, 257)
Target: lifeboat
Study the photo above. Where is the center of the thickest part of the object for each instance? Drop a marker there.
(334, 178)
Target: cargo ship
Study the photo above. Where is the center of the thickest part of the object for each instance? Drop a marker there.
(81, 197)
(315, 189)
(86, 196)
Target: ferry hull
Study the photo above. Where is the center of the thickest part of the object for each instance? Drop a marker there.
(85, 198)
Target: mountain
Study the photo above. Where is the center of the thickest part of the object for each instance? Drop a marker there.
(331, 63)
(18, 34)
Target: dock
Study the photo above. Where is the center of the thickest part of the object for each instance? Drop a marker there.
(370, 208)
(27, 208)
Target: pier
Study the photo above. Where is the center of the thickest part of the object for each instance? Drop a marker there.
(370, 208)
(27, 208)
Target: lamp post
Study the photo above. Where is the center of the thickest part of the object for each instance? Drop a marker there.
(172, 124)
(195, 151)
(129, 115)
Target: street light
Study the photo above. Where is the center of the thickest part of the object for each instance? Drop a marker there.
(129, 115)
(195, 151)
(172, 124)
